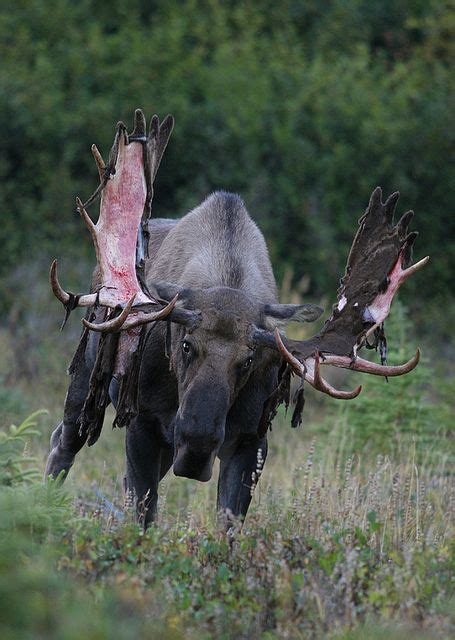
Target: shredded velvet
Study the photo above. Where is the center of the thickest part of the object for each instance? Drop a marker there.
(281, 394)
(299, 404)
(92, 415)
(129, 386)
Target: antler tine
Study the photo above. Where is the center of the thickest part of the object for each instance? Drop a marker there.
(139, 131)
(88, 221)
(64, 296)
(379, 309)
(99, 161)
(295, 363)
(111, 325)
(390, 205)
(322, 385)
(136, 319)
(404, 222)
(58, 290)
(415, 267)
(376, 197)
(152, 317)
(158, 137)
(311, 372)
(365, 366)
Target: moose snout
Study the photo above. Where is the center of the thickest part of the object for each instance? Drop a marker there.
(199, 431)
(193, 465)
(194, 454)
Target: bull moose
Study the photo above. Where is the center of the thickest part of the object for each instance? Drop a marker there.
(183, 332)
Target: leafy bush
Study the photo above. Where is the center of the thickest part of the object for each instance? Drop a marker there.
(13, 402)
(15, 466)
(37, 600)
(411, 412)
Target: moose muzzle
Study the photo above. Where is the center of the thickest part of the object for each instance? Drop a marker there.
(191, 464)
(199, 430)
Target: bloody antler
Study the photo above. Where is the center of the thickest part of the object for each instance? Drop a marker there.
(121, 243)
(378, 264)
(120, 235)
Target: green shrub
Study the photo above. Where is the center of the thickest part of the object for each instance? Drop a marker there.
(409, 412)
(16, 464)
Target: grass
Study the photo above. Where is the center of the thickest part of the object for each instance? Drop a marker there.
(350, 534)
(334, 546)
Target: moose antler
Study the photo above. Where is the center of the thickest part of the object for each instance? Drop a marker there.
(121, 243)
(120, 235)
(377, 266)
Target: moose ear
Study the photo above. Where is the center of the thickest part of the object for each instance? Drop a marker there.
(278, 315)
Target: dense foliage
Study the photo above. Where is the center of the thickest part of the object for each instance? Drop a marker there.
(301, 107)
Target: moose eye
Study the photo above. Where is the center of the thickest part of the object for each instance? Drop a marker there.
(186, 347)
(248, 362)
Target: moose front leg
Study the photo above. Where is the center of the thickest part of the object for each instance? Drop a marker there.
(239, 473)
(66, 441)
(147, 461)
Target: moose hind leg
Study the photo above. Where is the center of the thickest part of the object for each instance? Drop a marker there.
(237, 480)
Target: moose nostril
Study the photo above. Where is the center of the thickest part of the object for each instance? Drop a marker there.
(189, 464)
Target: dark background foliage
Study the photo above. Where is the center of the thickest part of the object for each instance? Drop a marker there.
(301, 107)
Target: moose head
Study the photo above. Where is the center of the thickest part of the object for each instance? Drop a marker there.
(213, 353)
